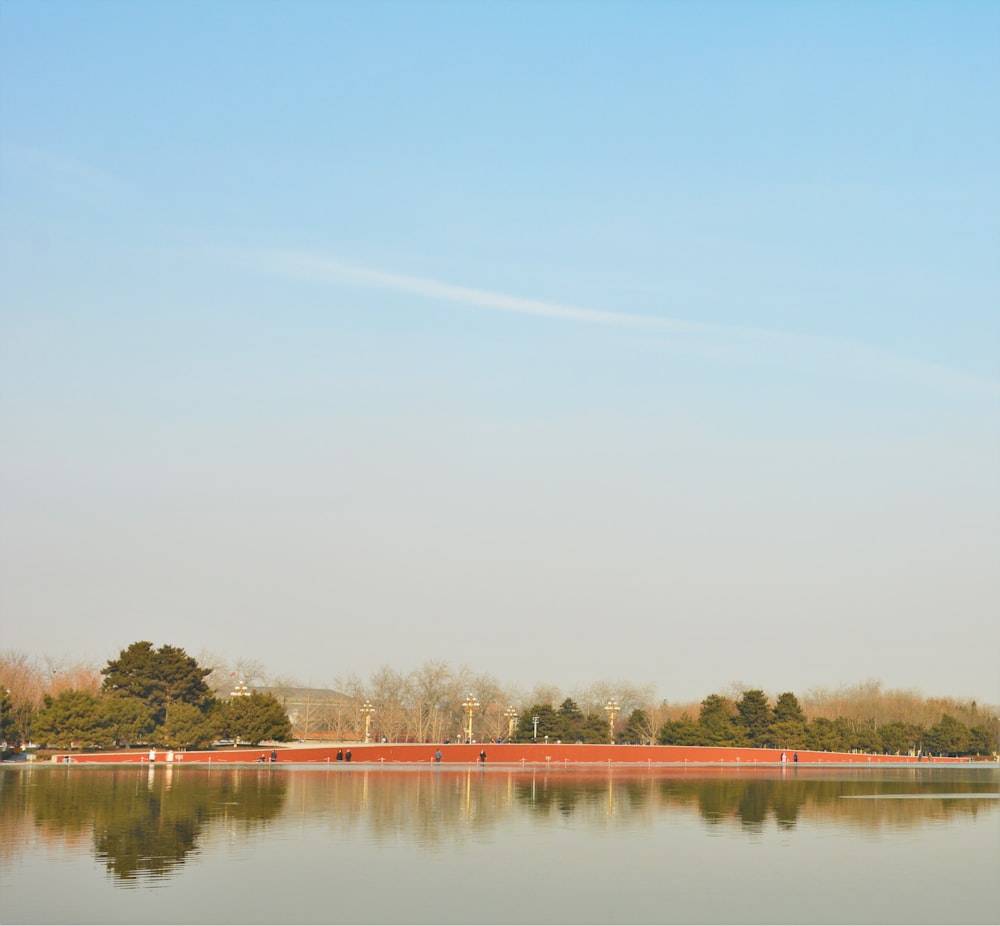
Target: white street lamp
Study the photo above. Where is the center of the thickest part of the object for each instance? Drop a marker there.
(471, 705)
(511, 716)
(367, 710)
(612, 708)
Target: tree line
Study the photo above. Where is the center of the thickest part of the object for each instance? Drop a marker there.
(150, 696)
(754, 721)
(166, 698)
(427, 705)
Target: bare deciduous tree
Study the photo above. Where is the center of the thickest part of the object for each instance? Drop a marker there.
(25, 680)
(432, 688)
(72, 676)
(389, 692)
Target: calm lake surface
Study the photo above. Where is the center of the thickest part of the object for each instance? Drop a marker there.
(461, 844)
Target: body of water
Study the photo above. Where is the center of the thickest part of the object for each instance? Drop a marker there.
(466, 844)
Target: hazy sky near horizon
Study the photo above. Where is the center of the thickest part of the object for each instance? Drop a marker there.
(569, 342)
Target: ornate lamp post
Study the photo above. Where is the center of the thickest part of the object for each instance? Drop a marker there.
(471, 705)
(534, 721)
(612, 708)
(367, 710)
(511, 716)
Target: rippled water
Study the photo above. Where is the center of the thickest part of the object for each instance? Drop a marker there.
(296, 844)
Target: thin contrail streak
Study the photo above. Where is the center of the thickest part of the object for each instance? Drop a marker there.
(832, 352)
(322, 269)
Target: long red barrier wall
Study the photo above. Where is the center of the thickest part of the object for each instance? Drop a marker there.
(513, 753)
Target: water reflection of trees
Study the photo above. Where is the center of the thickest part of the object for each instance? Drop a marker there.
(431, 808)
(753, 800)
(142, 821)
(145, 822)
(448, 805)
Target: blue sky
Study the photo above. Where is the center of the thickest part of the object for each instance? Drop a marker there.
(567, 341)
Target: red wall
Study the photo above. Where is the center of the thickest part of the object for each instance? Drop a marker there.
(514, 753)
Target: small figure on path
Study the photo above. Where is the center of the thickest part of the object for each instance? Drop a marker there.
(482, 756)
(437, 756)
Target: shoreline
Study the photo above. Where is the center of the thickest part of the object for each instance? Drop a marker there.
(514, 755)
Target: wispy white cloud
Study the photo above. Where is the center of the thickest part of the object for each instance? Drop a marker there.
(65, 175)
(800, 349)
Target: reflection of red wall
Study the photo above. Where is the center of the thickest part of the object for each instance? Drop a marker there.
(515, 753)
